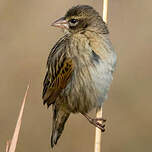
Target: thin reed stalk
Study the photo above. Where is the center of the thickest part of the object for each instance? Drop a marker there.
(11, 145)
(97, 147)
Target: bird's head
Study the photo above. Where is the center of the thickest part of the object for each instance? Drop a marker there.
(81, 18)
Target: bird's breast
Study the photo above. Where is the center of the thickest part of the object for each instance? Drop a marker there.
(91, 78)
(88, 87)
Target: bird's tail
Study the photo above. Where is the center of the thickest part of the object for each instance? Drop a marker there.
(59, 119)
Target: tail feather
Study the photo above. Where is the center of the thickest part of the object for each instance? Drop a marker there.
(59, 119)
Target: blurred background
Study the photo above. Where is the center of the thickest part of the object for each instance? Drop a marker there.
(25, 40)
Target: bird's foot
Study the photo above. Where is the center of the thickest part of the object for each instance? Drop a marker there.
(97, 122)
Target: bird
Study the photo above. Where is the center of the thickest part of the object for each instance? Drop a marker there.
(80, 68)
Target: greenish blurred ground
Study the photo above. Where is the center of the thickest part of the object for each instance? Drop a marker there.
(25, 39)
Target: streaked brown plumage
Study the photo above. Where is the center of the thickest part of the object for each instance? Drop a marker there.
(79, 67)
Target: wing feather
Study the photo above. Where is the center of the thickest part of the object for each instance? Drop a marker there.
(60, 69)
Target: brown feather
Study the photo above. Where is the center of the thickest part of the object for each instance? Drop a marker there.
(58, 75)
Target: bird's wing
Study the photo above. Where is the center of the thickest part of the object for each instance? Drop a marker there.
(60, 69)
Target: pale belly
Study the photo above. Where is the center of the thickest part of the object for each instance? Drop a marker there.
(88, 88)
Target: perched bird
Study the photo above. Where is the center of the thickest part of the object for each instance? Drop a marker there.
(79, 68)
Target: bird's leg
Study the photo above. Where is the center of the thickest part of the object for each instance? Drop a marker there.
(97, 122)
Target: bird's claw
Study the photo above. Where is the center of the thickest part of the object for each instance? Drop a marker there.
(98, 122)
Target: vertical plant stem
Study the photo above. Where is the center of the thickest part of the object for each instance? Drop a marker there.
(97, 147)
(105, 11)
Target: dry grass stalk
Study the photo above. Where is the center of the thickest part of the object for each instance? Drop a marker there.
(105, 10)
(97, 147)
(11, 145)
(8, 145)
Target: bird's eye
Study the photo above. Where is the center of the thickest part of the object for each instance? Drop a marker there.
(73, 22)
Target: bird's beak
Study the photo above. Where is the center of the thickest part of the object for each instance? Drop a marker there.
(61, 23)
